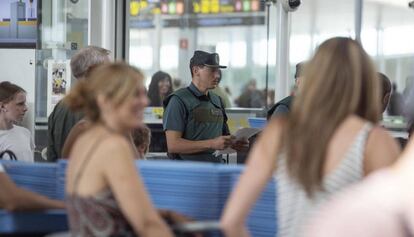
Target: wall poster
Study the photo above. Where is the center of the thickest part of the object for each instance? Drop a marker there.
(58, 82)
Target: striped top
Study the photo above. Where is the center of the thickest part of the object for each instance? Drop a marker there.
(295, 207)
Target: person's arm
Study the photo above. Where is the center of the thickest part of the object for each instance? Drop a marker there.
(129, 190)
(241, 145)
(32, 143)
(259, 169)
(177, 144)
(13, 198)
(381, 150)
(281, 109)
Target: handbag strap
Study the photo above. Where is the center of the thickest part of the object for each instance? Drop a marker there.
(10, 153)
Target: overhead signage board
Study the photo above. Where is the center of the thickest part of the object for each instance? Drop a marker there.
(180, 7)
(201, 22)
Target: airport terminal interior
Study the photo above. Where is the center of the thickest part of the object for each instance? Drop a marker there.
(202, 146)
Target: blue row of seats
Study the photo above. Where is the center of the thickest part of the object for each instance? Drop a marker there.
(36, 177)
(36, 222)
(197, 190)
(39, 178)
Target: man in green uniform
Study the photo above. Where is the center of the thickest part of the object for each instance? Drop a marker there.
(194, 120)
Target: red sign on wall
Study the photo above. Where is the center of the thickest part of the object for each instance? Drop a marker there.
(183, 43)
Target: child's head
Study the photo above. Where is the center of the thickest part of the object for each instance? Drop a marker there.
(141, 137)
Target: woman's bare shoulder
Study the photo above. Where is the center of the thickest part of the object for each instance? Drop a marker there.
(277, 122)
(103, 144)
(381, 149)
(271, 134)
(115, 143)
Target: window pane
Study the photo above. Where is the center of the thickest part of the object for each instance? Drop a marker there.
(388, 36)
(165, 34)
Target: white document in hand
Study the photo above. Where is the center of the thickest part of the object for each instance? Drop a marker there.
(245, 133)
(242, 133)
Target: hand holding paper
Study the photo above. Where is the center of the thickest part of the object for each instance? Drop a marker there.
(245, 133)
(240, 140)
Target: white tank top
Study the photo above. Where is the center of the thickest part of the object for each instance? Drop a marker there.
(294, 207)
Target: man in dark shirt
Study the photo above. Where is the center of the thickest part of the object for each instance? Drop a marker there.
(385, 90)
(195, 122)
(395, 107)
(283, 106)
(61, 120)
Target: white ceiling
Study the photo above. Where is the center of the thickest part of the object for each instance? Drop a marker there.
(339, 15)
(398, 3)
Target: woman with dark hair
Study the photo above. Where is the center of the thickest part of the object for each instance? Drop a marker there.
(159, 88)
(15, 141)
(328, 141)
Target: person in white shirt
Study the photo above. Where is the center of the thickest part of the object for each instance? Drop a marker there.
(13, 198)
(15, 141)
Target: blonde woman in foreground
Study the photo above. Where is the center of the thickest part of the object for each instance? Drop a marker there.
(329, 141)
(105, 193)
